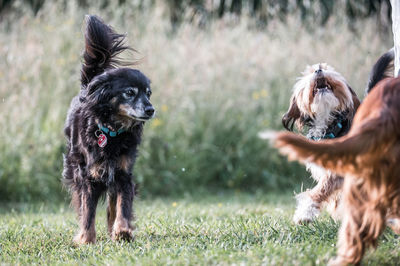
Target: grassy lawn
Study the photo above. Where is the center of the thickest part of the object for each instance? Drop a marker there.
(207, 229)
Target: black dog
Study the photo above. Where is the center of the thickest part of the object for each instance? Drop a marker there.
(103, 130)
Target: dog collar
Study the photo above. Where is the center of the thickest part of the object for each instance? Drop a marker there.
(329, 135)
(110, 132)
(335, 130)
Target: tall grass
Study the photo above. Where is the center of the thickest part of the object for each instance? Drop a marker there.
(213, 89)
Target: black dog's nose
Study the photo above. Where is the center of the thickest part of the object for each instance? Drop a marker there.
(149, 110)
(319, 71)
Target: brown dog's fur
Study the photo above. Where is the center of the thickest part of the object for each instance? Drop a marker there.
(367, 157)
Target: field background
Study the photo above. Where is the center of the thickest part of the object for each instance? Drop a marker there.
(211, 192)
(216, 82)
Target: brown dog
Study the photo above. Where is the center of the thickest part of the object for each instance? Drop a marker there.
(367, 157)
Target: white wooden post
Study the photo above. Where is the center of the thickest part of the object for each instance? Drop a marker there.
(396, 34)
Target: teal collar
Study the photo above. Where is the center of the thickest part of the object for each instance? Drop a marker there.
(110, 132)
(330, 135)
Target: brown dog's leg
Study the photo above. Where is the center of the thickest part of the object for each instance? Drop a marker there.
(89, 196)
(362, 223)
(111, 212)
(122, 229)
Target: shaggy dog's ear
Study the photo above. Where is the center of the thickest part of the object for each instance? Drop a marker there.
(292, 116)
(356, 102)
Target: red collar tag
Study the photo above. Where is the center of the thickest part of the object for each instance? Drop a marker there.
(102, 140)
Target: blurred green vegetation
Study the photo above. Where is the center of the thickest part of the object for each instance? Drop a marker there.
(214, 89)
(312, 13)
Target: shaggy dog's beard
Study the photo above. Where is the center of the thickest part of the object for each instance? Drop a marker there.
(324, 105)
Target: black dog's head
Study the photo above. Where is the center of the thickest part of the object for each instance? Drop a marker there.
(120, 97)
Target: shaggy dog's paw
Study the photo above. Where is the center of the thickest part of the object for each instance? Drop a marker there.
(394, 223)
(307, 210)
(84, 238)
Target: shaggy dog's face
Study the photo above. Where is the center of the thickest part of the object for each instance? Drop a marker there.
(318, 94)
(322, 90)
(121, 97)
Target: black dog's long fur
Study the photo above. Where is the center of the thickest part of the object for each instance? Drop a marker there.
(117, 99)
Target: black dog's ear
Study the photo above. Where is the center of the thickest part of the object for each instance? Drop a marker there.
(383, 68)
(98, 82)
(292, 115)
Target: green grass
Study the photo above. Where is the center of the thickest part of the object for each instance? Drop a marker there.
(232, 228)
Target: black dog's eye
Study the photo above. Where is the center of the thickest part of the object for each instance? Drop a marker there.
(148, 92)
(130, 92)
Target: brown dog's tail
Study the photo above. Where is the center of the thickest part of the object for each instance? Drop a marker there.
(102, 46)
(339, 155)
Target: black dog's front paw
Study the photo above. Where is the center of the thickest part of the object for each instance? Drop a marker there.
(122, 232)
(85, 238)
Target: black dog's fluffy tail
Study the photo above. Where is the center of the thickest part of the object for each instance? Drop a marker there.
(102, 45)
(383, 68)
